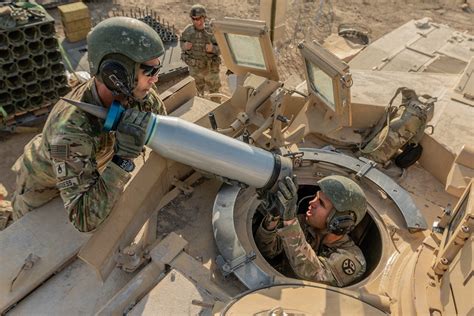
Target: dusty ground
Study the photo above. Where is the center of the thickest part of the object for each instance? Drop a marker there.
(306, 19)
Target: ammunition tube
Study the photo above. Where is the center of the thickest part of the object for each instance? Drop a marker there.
(36, 48)
(36, 100)
(16, 38)
(40, 61)
(5, 98)
(50, 44)
(10, 69)
(33, 89)
(51, 96)
(3, 41)
(25, 64)
(28, 77)
(31, 33)
(14, 82)
(46, 85)
(5, 55)
(60, 81)
(18, 94)
(57, 69)
(54, 56)
(20, 51)
(3, 85)
(21, 105)
(47, 30)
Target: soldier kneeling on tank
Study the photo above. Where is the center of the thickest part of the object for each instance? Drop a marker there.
(75, 157)
(317, 245)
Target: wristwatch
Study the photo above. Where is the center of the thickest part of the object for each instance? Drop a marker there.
(125, 164)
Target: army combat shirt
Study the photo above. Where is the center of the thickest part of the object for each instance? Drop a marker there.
(72, 158)
(338, 264)
(197, 57)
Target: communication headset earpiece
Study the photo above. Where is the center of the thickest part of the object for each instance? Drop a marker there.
(340, 223)
(116, 77)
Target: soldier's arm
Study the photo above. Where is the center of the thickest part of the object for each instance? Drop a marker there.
(184, 38)
(87, 195)
(268, 241)
(215, 47)
(303, 259)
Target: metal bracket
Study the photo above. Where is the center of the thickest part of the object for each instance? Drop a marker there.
(228, 268)
(182, 186)
(369, 164)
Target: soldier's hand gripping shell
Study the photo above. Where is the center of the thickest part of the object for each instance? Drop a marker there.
(131, 133)
(287, 197)
(268, 204)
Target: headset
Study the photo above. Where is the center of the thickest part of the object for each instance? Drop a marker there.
(116, 77)
(341, 223)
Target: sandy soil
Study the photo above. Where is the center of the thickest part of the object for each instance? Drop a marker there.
(306, 19)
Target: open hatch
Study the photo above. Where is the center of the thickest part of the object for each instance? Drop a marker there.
(246, 47)
(328, 80)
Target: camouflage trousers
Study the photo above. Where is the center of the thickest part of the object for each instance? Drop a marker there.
(206, 76)
(28, 193)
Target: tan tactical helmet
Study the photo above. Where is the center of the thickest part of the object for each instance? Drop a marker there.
(197, 10)
(128, 41)
(349, 203)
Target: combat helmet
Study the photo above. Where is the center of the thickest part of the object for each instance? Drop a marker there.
(125, 42)
(349, 203)
(197, 10)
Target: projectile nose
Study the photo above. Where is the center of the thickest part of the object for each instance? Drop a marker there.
(95, 110)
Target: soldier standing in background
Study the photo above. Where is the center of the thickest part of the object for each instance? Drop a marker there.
(201, 53)
(74, 157)
(317, 245)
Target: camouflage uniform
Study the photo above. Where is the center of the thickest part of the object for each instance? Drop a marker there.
(72, 158)
(338, 264)
(203, 66)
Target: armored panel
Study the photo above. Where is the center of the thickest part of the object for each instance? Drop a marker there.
(32, 74)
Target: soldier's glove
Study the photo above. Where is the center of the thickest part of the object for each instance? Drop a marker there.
(287, 197)
(131, 133)
(268, 204)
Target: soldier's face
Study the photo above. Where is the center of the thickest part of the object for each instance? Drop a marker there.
(318, 210)
(146, 78)
(198, 22)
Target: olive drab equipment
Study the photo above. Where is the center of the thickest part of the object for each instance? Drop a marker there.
(116, 48)
(400, 128)
(349, 203)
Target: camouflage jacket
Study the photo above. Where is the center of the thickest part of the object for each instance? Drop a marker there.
(338, 264)
(73, 155)
(197, 55)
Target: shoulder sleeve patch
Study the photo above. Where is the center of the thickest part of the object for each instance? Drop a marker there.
(348, 266)
(60, 169)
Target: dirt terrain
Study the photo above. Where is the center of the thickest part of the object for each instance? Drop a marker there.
(306, 19)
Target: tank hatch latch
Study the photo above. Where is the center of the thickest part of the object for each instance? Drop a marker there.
(228, 268)
(369, 164)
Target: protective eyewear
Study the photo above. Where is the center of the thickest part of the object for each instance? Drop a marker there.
(196, 18)
(150, 71)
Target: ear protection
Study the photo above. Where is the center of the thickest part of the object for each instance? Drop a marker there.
(116, 77)
(340, 223)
